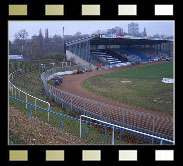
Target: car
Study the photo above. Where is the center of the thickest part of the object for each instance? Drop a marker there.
(155, 59)
(168, 58)
(60, 79)
(163, 59)
(57, 80)
(84, 70)
(79, 71)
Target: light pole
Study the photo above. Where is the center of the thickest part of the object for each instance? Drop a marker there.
(64, 46)
(22, 47)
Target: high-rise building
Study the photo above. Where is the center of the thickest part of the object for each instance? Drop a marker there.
(40, 33)
(46, 34)
(133, 28)
(145, 32)
(116, 30)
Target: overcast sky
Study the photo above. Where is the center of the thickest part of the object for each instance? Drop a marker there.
(87, 27)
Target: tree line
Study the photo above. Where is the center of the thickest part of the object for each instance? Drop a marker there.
(39, 47)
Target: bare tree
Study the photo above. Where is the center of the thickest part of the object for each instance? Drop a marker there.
(22, 35)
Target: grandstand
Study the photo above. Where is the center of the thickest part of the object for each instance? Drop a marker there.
(104, 50)
(125, 53)
(104, 58)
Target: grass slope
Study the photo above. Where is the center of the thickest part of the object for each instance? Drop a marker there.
(70, 125)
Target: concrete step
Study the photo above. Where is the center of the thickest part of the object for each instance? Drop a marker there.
(101, 56)
(110, 58)
(112, 62)
(93, 52)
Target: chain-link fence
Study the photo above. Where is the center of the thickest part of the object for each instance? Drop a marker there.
(146, 123)
(92, 131)
(152, 124)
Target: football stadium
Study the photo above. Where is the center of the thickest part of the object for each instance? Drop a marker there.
(110, 89)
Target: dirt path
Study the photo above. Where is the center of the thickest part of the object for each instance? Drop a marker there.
(38, 132)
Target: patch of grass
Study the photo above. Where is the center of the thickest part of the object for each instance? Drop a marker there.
(153, 71)
(141, 87)
(14, 139)
(70, 125)
(95, 136)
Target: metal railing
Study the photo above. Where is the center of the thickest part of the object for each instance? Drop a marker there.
(110, 125)
(25, 85)
(14, 90)
(98, 123)
(152, 124)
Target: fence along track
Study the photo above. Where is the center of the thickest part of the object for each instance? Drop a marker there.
(123, 116)
(13, 89)
(113, 129)
(145, 122)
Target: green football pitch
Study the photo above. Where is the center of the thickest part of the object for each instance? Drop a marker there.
(141, 86)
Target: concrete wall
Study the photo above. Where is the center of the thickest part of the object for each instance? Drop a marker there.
(78, 60)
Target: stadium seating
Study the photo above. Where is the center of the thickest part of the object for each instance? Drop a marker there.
(137, 55)
(104, 58)
(98, 60)
(142, 57)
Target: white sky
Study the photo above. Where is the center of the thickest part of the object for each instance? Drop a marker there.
(87, 27)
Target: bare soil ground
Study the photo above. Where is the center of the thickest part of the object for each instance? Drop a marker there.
(38, 132)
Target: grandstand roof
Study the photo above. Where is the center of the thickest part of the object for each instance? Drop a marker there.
(125, 41)
(119, 40)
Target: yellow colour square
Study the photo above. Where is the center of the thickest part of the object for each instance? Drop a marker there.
(90, 10)
(91, 155)
(18, 155)
(127, 155)
(54, 10)
(17, 10)
(127, 9)
(54, 155)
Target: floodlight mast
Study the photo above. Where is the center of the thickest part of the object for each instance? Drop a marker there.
(64, 45)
